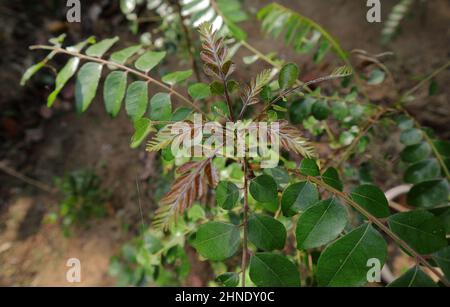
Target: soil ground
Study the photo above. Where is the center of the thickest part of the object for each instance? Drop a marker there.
(44, 144)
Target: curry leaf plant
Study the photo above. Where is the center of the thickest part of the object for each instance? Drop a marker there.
(260, 226)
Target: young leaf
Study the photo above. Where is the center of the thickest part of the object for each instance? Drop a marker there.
(122, 56)
(298, 197)
(136, 99)
(344, 262)
(320, 224)
(415, 277)
(272, 270)
(423, 171)
(114, 91)
(264, 189)
(429, 194)
(149, 60)
(217, 241)
(86, 85)
(177, 77)
(372, 199)
(142, 129)
(63, 76)
(420, 229)
(160, 107)
(331, 177)
(309, 167)
(415, 153)
(250, 96)
(292, 140)
(227, 195)
(199, 91)
(229, 279)
(288, 75)
(99, 49)
(266, 232)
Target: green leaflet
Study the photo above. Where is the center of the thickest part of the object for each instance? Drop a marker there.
(99, 49)
(344, 262)
(227, 195)
(86, 86)
(288, 75)
(415, 153)
(266, 232)
(298, 197)
(309, 167)
(199, 91)
(136, 99)
(229, 279)
(160, 107)
(142, 128)
(149, 60)
(264, 189)
(272, 270)
(122, 56)
(320, 224)
(420, 229)
(442, 258)
(177, 77)
(422, 171)
(372, 199)
(217, 241)
(331, 177)
(411, 136)
(415, 277)
(127, 6)
(62, 78)
(429, 194)
(114, 91)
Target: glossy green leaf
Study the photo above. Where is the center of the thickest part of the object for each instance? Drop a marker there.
(266, 232)
(229, 279)
(30, 72)
(86, 85)
(429, 194)
(442, 259)
(177, 77)
(420, 229)
(217, 88)
(62, 78)
(423, 171)
(415, 277)
(264, 189)
(217, 241)
(99, 49)
(288, 75)
(136, 99)
(411, 136)
(309, 167)
(279, 174)
(301, 110)
(199, 91)
(298, 197)
(344, 262)
(320, 110)
(149, 60)
(320, 224)
(331, 177)
(122, 56)
(160, 107)
(227, 195)
(372, 199)
(272, 270)
(415, 153)
(142, 128)
(114, 91)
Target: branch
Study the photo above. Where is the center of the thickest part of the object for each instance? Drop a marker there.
(122, 67)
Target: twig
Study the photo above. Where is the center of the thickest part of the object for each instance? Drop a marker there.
(30, 181)
(122, 67)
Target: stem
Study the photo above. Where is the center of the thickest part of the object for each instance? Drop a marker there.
(383, 227)
(26, 179)
(122, 67)
(188, 42)
(245, 224)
